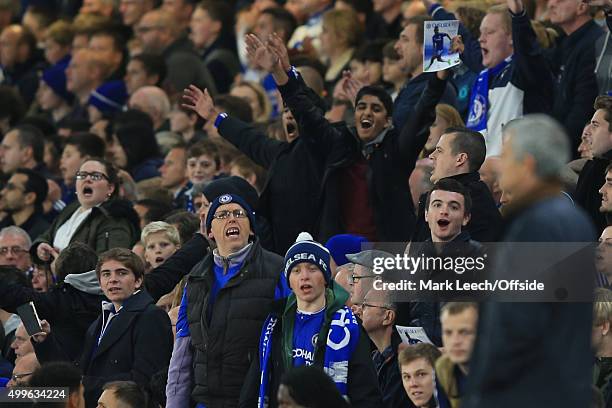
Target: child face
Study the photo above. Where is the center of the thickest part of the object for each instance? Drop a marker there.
(158, 248)
(374, 70)
(359, 71)
(392, 71)
(201, 169)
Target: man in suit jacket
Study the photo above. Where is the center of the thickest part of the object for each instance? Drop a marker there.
(132, 339)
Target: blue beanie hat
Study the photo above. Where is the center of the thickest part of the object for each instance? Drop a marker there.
(306, 249)
(55, 78)
(340, 245)
(109, 97)
(226, 199)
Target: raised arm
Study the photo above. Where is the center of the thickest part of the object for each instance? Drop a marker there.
(248, 139)
(413, 137)
(314, 128)
(471, 54)
(15, 295)
(165, 277)
(532, 69)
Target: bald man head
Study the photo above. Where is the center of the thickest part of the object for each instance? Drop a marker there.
(153, 101)
(156, 30)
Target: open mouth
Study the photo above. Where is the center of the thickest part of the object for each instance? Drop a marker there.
(87, 191)
(443, 223)
(232, 232)
(113, 291)
(485, 52)
(305, 287)
(291, 128)
(417, 394)
(366, 123)
(159, 260)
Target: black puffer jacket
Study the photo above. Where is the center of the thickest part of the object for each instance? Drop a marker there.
(224, 347)
(114, 224)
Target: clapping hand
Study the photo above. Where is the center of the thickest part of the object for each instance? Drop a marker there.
(277, 46)
(260, 54)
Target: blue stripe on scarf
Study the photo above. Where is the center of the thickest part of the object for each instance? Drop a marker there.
(342, 341)
(265, 344)
(479, 100)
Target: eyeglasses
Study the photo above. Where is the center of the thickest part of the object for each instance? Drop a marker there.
(15, 250)
(94, 175)
(16, 377)
(364, 305)
(222, 215)
(355, 278)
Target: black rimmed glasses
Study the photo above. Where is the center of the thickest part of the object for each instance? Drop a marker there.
(94, 175)
(364, 305)
(355, 278)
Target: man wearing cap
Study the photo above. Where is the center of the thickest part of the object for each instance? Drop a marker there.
(312, 327)
(108, 98)
(226, 300)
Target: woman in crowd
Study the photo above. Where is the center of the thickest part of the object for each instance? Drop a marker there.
(97, 218)
(256, 96)
(140, 155)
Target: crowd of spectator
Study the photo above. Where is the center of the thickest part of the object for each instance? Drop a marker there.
(194, 196)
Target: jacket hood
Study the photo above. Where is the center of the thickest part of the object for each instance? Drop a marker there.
(119, 208)
(86, 282)
(335, 298)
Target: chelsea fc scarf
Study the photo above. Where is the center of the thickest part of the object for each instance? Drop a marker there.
(342, 340)
(479, 101)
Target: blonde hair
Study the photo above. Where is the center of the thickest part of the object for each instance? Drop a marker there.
(449, 114)
(60, 32)
(262, 99)
(160, 226)
(502, 10)
(602, 306)
(345, 24)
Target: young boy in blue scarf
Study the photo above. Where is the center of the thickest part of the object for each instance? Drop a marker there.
(312, 327)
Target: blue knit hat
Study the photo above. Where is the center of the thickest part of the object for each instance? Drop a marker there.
(55, 78)
(306, 249)
(340, 245)
(109, 97)
(226, 199)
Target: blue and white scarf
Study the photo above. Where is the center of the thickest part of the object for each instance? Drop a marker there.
(479, 101)
(342, 340)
